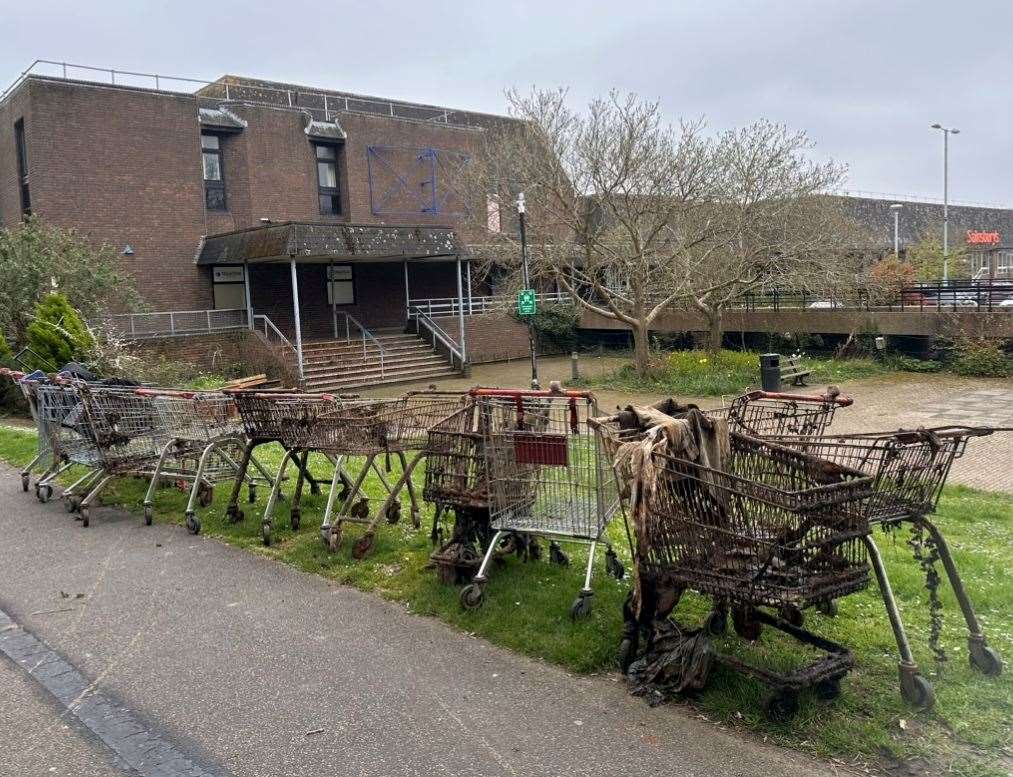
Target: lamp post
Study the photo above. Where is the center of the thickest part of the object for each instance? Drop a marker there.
(526, 279)
(947, 131)
(896, 208)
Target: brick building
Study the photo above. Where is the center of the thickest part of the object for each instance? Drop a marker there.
(228, 197)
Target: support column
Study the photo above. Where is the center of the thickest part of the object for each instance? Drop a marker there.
(467, 270)
(295, 312)
(460, 313)
(246, 290)
(407, 296)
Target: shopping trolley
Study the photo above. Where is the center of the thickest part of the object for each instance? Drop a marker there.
(909, 470)
(772, 527)
(205, 441)
(43, 458)
(371, 428)
(547, 475)
(113, 431)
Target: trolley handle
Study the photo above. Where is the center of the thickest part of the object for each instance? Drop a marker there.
(841, 400)
(524, 393)
(177, 393)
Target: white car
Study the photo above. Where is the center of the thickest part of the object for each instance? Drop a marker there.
(1006, 303)
(824, 304)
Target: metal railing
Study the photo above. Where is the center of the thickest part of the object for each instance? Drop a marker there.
(437, 334)
(367, 337)
(314, 102)
(264, 328)
(956, 296)
(172, 323)
(450, 306)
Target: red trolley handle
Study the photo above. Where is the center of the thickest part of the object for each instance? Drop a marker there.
(841, 400)
(177, 393)
(514, 393)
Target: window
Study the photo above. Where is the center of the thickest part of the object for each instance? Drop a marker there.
(214, 179)
(327, 179)
(22, 153)
(229, 286)
(340, 284)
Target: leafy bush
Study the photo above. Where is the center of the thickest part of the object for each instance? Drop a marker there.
(57, 334)
(555, 325)
(910, 364)
(36, 258)
(980, 358)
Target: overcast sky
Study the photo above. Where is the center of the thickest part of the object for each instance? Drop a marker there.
(865, 78)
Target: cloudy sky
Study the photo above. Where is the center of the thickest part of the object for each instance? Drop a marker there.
(865, 78)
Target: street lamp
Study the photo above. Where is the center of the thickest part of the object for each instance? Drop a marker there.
(896, 208)
(947, 131)
(526, 279)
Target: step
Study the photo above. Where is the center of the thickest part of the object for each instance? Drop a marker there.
(373, 366)
(336, 353)
(357, 341)
(389, 377)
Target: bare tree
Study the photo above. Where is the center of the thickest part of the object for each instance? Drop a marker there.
(632, 216)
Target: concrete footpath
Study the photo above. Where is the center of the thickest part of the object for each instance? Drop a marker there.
(193, 657)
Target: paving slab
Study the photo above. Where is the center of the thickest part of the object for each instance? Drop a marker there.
(249, 667)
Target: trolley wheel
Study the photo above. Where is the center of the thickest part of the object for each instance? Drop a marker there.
(314, 488)
(43, 492)
(393, 512)
(791, 614)
(265, 531)
(557, 556)
(192, 523)
(828, 689)
(149, 515)
(295, 518)
(205, 494)
(828, 607)
(360, 509)
(343, 493)
(745, 623)
(716, 622)
(471, 596)
(234, 514)
(84, 511)
(627, 653)
(365, 544)
(917, 691)
(71, 504)
(782, 706)
(25, 477)
(581, 607)
(985, 659)
(333, 540)
(251, 493)
(416, 519)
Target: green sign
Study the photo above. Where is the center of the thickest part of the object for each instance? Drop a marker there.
(526, 302)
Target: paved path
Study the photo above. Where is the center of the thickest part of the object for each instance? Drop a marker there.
(882, 403)
(246, 666)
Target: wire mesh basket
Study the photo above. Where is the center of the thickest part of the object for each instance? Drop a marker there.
(63, 425)
(777, 527)
(126, 427)
(455, 461)
(200, 417)
(282, 417)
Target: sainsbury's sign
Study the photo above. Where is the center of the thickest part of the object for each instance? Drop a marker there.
(982, 238)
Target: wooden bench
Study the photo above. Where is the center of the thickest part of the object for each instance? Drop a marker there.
(792, 370)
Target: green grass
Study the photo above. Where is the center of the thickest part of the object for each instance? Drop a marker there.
(527, 606)
(697, 373)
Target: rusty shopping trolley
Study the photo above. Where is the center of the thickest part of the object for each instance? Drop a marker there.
(27, 386)
(909, 470)
(547, 477)
(370, 428)
(64, 436)
(205, 441)
(767, 527)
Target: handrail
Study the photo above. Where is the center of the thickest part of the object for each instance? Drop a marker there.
(437, 332)
(351, 321)
(476, 305)
(269, 327)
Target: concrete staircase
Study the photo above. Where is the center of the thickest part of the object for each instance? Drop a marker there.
(334, 365)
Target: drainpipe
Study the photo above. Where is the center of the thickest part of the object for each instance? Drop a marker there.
(295, 311)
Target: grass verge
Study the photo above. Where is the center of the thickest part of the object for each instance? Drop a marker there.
(697, 373)
(527, 605)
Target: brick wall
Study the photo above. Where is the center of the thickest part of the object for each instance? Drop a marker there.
(225, 353)
(17, 107)
(491, 336)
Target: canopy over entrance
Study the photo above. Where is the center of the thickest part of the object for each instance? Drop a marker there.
(325, 243)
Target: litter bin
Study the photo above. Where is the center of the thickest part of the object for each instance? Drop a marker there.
(770, 371)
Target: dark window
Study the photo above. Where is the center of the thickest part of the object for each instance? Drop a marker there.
(329, 190)
(22, 151)
(214, 176)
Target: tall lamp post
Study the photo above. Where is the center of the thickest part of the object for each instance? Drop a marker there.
(947, 131)
(526, 279)
(896, 208)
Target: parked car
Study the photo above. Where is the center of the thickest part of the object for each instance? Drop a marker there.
(825, 304)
